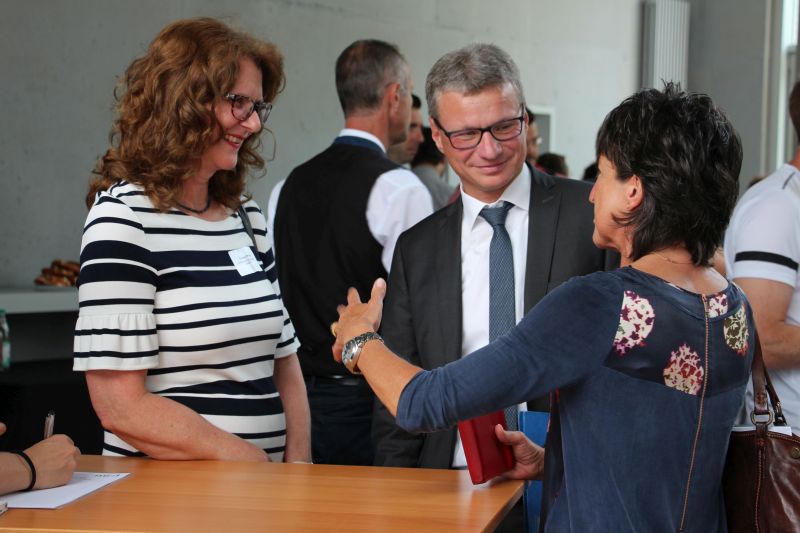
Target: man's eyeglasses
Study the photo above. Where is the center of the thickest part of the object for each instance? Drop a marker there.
(504, 130)
(243, 106)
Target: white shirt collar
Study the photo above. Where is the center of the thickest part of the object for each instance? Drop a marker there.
(364, 135)
(518, 193)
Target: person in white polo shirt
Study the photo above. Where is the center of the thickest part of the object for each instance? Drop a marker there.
(762, 254)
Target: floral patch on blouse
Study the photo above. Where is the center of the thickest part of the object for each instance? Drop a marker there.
(684, 371)
(717, 305)
(635, 322)
(735, 331)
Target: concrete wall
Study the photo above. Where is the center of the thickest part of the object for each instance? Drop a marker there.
(60, 59)
(729, 56)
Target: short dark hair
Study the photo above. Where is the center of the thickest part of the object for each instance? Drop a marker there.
(427, 151)
(364, 69)
(590, 172)
(416, 103)
(554, 164)
(531, 115)
(794, 108)
(688, 156)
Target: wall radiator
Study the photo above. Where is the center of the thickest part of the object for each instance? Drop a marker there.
(665, 42)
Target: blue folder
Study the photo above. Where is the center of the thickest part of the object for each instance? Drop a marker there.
(534, 425)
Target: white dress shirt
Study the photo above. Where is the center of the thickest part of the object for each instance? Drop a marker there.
(476, 236)
(398, 200)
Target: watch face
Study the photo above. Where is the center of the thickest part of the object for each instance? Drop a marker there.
(352, 349)
(349, 351)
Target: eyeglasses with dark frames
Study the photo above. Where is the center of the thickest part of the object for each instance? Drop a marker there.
(243, 106)
(505, 130)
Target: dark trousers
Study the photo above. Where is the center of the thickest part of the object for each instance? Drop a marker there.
(514, 521)
(341, 420)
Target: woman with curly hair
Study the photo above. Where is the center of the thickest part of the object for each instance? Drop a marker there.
(188, 350)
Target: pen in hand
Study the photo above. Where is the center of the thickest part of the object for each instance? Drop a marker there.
(49, 421)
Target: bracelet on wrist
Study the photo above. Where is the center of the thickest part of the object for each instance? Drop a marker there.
(30, 465)
(352, 350)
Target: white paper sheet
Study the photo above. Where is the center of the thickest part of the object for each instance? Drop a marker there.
(81, 484)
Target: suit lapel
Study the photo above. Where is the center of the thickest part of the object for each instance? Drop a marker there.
(542, 225)
(448, 281)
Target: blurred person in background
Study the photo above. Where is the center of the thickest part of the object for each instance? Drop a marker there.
(554, 164)
(403, 153)
(532, 139)
(429, 166)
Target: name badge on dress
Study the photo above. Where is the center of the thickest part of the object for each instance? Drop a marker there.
(244, 261)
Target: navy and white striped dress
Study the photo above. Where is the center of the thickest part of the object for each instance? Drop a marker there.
(159, 291)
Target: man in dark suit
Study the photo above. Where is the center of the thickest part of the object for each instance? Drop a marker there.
(437, 304)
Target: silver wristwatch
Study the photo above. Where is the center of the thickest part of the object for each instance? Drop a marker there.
(353, 347)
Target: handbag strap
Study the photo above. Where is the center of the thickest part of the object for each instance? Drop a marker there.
(246, 223)
(780, 420)
(764, 391)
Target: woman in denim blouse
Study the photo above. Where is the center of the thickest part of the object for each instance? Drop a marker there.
(647, 364)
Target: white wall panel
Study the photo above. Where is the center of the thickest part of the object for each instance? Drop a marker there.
(60, 59)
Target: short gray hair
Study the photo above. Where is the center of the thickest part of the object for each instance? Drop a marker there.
(470, 70)
(364, 69)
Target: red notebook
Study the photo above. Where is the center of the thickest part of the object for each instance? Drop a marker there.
(487, 457)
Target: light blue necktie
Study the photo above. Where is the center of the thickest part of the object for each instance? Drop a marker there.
(502, 302)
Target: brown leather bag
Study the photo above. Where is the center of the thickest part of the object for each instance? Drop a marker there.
(761, 481)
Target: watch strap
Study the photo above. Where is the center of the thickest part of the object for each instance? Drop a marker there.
(351, 356)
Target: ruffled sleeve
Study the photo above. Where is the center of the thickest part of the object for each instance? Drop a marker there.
(116, 328)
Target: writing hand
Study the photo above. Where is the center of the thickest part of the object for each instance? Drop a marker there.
(55, 460)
